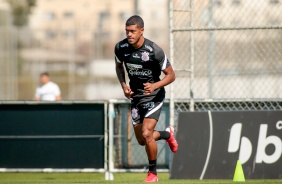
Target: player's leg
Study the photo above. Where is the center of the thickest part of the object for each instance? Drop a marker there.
(137, 114)
(145, 117)
(137, 118)
(173, 145)
(138, 134)
(138, 129)
(149, 137)
(167, 134)
(146, 136)
(148, 132)
(158, 135)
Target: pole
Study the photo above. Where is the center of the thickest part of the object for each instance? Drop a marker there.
(136, 11)
(171, 51)
(211, 50)
(106, 140)
(192, 57)
(16, 66)
(71, 69)
(109, 175)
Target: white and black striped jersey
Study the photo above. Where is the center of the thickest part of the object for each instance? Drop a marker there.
(142, 65)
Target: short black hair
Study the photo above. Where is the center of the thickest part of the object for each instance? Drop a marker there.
(135, 20)
(44, 74)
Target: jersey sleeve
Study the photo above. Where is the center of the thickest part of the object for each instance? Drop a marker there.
(118, 56)
(160, 57)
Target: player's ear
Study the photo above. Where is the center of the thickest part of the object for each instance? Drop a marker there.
(142, 30)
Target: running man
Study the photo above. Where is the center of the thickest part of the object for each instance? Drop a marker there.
(144, 61)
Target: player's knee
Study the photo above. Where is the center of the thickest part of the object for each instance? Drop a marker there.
(147, 135)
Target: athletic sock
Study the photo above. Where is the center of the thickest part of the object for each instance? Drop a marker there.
(164, 135)
(153, 166)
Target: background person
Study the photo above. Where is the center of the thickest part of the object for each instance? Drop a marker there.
(48, 90)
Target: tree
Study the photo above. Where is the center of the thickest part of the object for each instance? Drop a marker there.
(20, 10)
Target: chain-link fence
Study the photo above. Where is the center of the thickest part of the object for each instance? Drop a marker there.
(228, 52)
(71, 59)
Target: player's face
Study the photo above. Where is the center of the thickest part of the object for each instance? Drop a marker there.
(133, 33)
(44, 79)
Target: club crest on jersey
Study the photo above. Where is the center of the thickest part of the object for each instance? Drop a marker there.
(134, 113)
(145, 56)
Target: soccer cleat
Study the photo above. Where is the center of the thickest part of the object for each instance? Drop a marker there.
(173, 145)
(151, 177)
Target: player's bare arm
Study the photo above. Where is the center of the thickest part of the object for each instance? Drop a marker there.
(169, 78)
(121, 77)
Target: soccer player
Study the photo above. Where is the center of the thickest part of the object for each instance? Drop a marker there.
(48, 90)
(144, 61)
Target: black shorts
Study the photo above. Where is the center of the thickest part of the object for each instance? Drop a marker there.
(141, 109)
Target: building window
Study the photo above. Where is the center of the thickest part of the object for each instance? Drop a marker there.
(273, 1)
(217, 2)
(103, 18)
(50, 34)
(69, 33)
(68, 15)
(123, 16)
(236, 2)
(49, 16)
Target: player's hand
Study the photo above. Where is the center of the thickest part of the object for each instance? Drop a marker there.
(127, 92)
(149, 88)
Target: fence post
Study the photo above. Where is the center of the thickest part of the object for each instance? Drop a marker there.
(106, 141)
(191, 107)
(111, 114)
(171, 52)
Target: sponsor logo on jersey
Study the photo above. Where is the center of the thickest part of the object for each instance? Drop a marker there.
(126, 55)
(149, 48)
(134, 113)
(124, 45)
(145, 56)
(137, 70)
(136, 56)
(149, 105)
(140, 72)
(133, 66)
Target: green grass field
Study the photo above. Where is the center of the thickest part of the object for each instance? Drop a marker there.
(85, 178)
